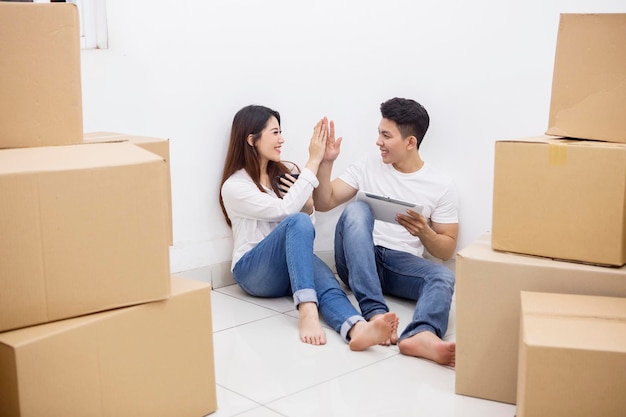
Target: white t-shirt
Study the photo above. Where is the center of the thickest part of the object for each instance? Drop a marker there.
(426, 187)
(255, 214)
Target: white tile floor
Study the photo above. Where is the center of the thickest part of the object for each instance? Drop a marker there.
(262, 369)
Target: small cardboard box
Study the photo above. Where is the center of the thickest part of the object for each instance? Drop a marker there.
(83, 228)
(40, 87)
(153, 359)
(158, 146)
(589, 80)
(560, 198)
(488, 286)
(572, 357)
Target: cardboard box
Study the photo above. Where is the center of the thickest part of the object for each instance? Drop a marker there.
(559, 198)
(158, 146)
(153, 359)
(572, 358)
(83, 228)
(41, 99)
(588, 85)
(488, 286)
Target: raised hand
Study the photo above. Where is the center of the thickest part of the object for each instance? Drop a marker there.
(333, 146)
(317, 146)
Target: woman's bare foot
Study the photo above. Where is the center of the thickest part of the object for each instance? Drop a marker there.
(395, 321)
(311, 331)
(429, 346)
(369, 333)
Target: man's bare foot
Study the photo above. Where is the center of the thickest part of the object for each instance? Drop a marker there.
(374, 332)
(395, 321)
(429, 346)
(311, 331)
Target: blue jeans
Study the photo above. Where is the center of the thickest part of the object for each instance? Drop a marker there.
(371, 271)
(283, 264)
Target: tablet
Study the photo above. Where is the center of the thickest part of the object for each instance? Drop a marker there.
(386, 208)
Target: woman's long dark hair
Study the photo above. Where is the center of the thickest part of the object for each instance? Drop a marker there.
(250, 120)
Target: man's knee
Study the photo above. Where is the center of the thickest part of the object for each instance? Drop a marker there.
(360, 208)
(357, 212)
(446, 275)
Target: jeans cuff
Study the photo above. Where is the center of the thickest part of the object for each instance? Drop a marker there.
(375, 313)
(306, 295)
(347, 325)
(419, 329)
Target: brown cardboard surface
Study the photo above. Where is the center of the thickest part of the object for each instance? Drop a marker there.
(82, 229)
(572, 356)
(158, 146)
(488, 286)
(589, 80)
(41, 100)
(559, 198)
(152, 359)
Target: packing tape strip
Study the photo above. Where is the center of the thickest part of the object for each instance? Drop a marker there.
(557, 153)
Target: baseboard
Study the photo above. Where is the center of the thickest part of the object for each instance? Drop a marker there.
(219, 275)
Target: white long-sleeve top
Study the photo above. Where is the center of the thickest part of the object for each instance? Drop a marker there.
(255, 214)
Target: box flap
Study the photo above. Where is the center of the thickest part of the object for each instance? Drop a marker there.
(72, 157)
(574, 321)
(481, 250)
(562, 140)
(574, 306)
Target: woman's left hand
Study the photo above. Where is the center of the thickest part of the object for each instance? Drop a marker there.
(317, 146)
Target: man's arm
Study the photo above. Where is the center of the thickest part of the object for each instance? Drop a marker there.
(442, 243)
(329, 195)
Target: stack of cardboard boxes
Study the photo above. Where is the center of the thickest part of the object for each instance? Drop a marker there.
(91, 321)
(559, 227)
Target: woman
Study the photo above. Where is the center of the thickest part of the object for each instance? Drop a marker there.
(273, 233)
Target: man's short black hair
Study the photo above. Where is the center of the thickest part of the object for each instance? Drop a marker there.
(411, 117)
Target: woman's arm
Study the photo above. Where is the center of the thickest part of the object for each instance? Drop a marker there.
(242, 198)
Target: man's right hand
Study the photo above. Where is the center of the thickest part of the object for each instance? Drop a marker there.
(333, 146)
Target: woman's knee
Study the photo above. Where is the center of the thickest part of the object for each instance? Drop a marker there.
(300, 221)
(300, 226)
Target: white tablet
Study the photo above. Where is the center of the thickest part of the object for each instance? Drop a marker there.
(386, 208)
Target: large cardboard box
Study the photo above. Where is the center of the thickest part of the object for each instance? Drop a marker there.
(572, 360)
(153, 359)
(488, 286)
(158, 146)
(83, 228)
(40, 87)
(589, 80)
(561, 198)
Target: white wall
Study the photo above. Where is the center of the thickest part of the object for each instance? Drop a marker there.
(483, 70)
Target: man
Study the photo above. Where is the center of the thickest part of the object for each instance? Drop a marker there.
(376, 258)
